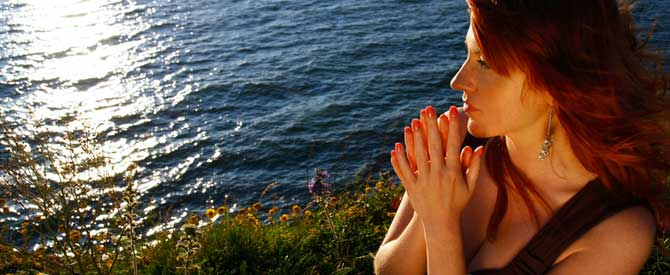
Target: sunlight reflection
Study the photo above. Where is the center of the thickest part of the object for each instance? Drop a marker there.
(79, 53)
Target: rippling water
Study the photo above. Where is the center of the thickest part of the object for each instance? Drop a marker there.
(211, 98)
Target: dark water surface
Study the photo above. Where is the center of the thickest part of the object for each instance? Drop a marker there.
(224, 97)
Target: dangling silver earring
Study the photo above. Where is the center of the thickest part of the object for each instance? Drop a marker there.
(546, 145)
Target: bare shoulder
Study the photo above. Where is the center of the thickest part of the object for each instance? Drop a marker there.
(620, 244)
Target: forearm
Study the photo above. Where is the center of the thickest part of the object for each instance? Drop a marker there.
(444, 248)
(405, 254)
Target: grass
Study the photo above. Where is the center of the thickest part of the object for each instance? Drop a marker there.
(334, 233)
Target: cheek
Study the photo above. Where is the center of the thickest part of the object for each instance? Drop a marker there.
(487, 124)
(500, 104)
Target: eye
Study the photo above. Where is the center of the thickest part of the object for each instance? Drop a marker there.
(482, 63)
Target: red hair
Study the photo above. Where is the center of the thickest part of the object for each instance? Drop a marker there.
(609, 97)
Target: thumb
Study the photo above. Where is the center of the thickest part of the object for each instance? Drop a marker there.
(472, 173)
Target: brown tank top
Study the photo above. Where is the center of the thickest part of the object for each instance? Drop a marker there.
(587, 208)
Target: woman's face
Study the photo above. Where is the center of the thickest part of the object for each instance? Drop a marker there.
(496, 105)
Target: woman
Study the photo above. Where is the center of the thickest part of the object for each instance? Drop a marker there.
(576, 151)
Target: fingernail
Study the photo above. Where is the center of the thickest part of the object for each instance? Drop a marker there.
(468, 148)
(453, 111)
(431, 111)
(408, 130)
(393, 154)
(423, 112)
(443, 117)
(416, 124)
(480, 149)
(398, 147)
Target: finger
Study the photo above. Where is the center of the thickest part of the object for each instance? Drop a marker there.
(466, 156)
(396, 167)
(453, 145)
(419, 149)
(474, 168)
(434, 139)
(409, 142)
(423, 118)
(403, 165)
(443, 125)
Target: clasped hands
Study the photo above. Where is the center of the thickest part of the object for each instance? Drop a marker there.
(438, 176)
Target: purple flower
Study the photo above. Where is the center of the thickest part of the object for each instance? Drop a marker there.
(316, 185)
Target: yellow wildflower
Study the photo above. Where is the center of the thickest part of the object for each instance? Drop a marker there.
(283, 218)
(257, 206)
(332, 202)
(222, 210)
(251, 219)
(296, 209)
(273, 210)
(308, 214)
(75, 235)
(109, 262)
(379, 185)
(99, 237)
(100, 248)
(210, 213)
(368, 189)
(239, 219)
(193, 219)
(24, 231)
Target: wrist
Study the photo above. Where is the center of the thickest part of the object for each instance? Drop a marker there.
(439, 225)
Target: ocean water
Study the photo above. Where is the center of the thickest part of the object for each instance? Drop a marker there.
(214, 100)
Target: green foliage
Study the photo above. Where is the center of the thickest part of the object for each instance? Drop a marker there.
(334, 233)
(66, 192)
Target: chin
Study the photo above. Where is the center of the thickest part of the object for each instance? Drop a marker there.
(477, 129)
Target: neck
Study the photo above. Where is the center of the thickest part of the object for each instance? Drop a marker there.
(561, 170)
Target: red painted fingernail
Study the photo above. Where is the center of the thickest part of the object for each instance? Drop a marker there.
(431, 111)
(453, 111)
(444, 117)
(480, 149)
(423, 112)
(408, 130)
(393, 154)
(416, 124)
(398, 147)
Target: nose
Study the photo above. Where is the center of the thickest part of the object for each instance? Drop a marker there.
(461, 81)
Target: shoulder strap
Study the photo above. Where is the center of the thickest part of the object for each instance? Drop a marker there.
(586, 209)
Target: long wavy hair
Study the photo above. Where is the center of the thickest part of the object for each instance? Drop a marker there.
(610, 93)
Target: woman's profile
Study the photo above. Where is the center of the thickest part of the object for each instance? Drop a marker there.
(557, 162)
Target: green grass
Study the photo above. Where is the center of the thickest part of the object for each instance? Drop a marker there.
(335, 233)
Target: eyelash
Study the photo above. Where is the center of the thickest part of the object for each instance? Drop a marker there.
(483, 63)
